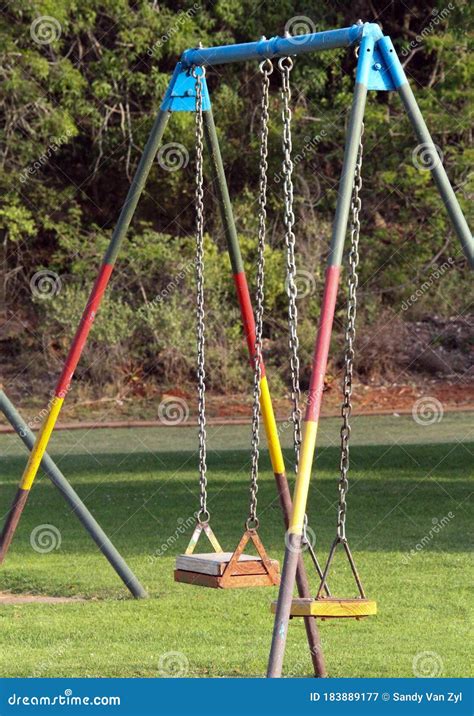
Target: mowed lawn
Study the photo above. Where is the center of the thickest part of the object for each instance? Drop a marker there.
(141, 485)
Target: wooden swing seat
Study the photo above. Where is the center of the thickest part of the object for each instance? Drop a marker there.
(209, 570)
(331, 608)
(226, 570)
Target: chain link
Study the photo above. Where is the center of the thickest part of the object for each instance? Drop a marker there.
(203, 515)
(286, 65)
(352, 284)
(266, 68)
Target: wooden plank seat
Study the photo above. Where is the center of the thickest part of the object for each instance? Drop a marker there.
(215, 563)
(227, 570)
(331, 608)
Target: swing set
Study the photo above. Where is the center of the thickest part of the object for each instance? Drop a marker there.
(378, 69)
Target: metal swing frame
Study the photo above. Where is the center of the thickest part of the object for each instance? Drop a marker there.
(379, 69)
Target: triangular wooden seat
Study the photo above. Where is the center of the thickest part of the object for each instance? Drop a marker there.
(226, 570)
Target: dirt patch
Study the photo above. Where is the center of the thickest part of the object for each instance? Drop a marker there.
(9, 598)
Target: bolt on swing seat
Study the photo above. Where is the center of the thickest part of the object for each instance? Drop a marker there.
(226, 570)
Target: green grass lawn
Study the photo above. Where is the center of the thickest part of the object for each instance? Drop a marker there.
(141, 485)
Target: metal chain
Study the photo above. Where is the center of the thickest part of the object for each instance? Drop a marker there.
(286, 65)
(203, 515)
(352, 284)
(266, 68)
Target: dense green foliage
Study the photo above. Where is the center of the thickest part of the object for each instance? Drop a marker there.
(75, 114)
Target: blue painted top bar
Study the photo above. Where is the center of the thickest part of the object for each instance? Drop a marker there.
(280, 46)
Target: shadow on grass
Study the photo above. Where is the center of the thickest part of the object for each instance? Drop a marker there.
(143, 500)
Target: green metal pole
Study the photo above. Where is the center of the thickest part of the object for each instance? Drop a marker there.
(74, 501)
(434, 162)
(82, 332)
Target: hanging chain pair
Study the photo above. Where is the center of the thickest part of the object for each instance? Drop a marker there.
(203, 515)
(266, 69)
(346, 408)
(352, 284)
(285, 65)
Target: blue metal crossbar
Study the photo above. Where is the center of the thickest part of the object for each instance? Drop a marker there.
(281, 46)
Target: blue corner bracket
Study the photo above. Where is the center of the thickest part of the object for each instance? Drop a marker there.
(181, 93)
(379, 78)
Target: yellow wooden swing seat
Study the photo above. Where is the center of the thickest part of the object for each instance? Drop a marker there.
(331, 608)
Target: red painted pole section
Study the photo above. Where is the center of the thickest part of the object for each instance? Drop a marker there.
(82, 332)
(243, 296)
(323, 341)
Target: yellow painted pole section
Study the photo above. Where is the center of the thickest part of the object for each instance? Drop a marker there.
(303, 478)
(42, 440)
(271, 430)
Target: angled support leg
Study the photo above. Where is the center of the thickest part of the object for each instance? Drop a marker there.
(271, 429)
(87, 520)
(82, 332)
(424, 137)
(300, 497)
